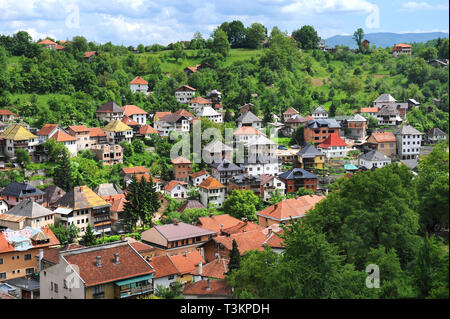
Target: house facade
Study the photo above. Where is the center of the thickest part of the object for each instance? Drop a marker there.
(409, 141)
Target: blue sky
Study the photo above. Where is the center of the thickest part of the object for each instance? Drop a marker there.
(130, 22)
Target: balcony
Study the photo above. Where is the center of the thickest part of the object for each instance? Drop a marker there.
(98, 295)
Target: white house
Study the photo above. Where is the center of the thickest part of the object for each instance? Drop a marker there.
(172, 122)
(198, 177)
(135, 113)
(138, 84)
(210, 114)
(212, 192)
(374, 159)
(185, 94)
(409, 141)
(255, 165)
(176, 189)
(333, 146)
(320, 113)
(270, 184)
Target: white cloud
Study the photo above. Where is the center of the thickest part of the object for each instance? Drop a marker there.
(420, 6)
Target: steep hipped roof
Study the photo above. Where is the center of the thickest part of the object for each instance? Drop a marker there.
(388, 110)
(129, 110)
(172, 118)
(29, 209)
(170, 185)
(216, 288)
(217, 146)
(330, 123)
(131, 263)
(309, 151)
(163, 266)
(6, 112)
(320, 110)
(246, 130)
(332, 140)
(108, 189)
(186, 88)
(129, 121)
(211, 183)
(79, 128)
(138, 80)
(186, 263)
(407, 130)
(88, 54)
(46, 129)
(199, 100)
(21, 190)
(208, 111)
(134, 170)
(61, 136)
(81, 197)
(385, 98)
(436, 132)
(248, 118)
(199, 173)
(383, 137)
(226, 165)
(218, 222)
(184, 113)
(190, 204)
(147, 129)
(47, 42)
(17, 132)
(374, 155)
(180, 230)
(215, 269)
(116, 126)
(294, 207)
(291, 111)
(53, 193)
(96, 132)
(357, 118)
(181, 160)
(297, 173)
(110, 107)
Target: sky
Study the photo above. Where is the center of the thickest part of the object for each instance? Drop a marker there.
(131, 22)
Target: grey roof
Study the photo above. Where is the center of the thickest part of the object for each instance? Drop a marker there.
(21, 190)
(53, 193)
(225, 166)
(331, 123)
(309, 151)
(320, 110)
(30, 283)
(407, 129)
(385, 98)
(436, 132)
(388, 110)
(208, 111)
(190, 204)
(357, 118)
(110, 107)
(263, 159)
(172, 118)
(297, 173)
(217, 146)
(30, 209)
(245, 179)
(411, 163)
(374, 155)
(108, 190)
(181, 230)
(248, 118)
(414, 101)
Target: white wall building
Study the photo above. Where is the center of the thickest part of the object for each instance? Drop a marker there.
(374, 159)
(409, 141)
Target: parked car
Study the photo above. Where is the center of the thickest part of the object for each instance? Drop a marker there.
(282, 147)
(295, 146)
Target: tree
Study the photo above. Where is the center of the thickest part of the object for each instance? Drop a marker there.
(235, 258)
(63, 173)
(220, 43)
(132, 206)
(275, 197)
(255, 35)
(89, 238)
(236, 33)
(65, 234)
(22, 157)
(241, 204)
(178, 51)
(54, 150)
(358, 36)
(306, 37)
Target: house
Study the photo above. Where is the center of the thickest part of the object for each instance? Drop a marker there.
(401, 48)
(373, 159)
(172, 122)
(316, 131)
(109, 111)
(138, 84)
(260, 146)
(269, 184)
(51, 194)
(97, 136)
(108, 154)
(176, 189)
(184, 94)
(435, 135)
(192, 69)
(211, 192)
(14, 193)
(409, 141)
(211, 114)
(165, 271)
(115, 196)
(109, 271)
(207, 289)
(15, 137)
(389, 115)
(50, 257)
(196, 104)
(297, 178)
(356, 127)
(198, 177)
(320, 113)
(7, 115)
(19, 249)
(89, 55)
(181, 168)
(333, 146)
(159, 115)
(384, 143)
(436, 62)
(26, 287)
(68, 141)
(176, 238)
(287, 209)
(146, 131)
(310, 158)
(135, 113)
(216, 269)
(245, 182)
(224, 171)
(215, 97)
(49, 44)
(116, 131)
(249, 119)
(286, 156)
(190, 204)
(135, 126)
(257, 165)
(290, 113)
(369, 111)
(185, 263)
(128, 172)
(293, 123)
(384, 99)
(217, 223)
(34, 214)
(412, 104)
(216, 151)
(58, 134)
(81, 206)
(3, 206)
(82, 135)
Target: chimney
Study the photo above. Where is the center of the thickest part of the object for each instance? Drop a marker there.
(175, 221)
(98, 261)
(208, 287)
(186, 254)
(116, 258)
(122, 237)
(41, 256)
(200, 268)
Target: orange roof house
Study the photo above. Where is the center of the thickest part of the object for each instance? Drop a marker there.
(211, 183)
(384, 137)
(181, 160)
(129, 110)
(61, 136)
(331, 141)
(147, 129)
(207, 289)
(139, 80)
(218, 222)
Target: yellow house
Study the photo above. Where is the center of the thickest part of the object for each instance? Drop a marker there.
(310, 158)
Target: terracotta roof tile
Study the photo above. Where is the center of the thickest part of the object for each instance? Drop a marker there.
(61, 136)
(96, 132)
(247, 130)
(181, 160)
(186, 263)
(133, 109)
(216, 288)
(170, 185)
(215, 269)
(211, 183)
(163, 266)
(384, 137)
(214, 223)
(332, 140)
(46, 129)
(147, 129)
(138, 80)
(294, 207)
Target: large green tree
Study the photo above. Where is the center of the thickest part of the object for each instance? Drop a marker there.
(306, 37)
(241, 204)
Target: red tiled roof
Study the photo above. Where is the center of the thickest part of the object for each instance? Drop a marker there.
(184, 113)
(199, 100)
(131, 264)
(96, 132)
(274, 240)
(202, 172)
(46, 129)
(163, 266)
(399, 46)
(242, 227)
(214, 223)
(215, 269)
(186, 263)
(60, 136)
(139, 80)
(79, 128)
(147, 129)
(332, 140)
(369, 110)
(181, 160)
(88, 54)
(184, 87)
(134, 170)
(52, 254)
(170, 185)
(47, 42)
(245, 241)
(294, 207)
(384, 137)
(211, 183)
(128, 121)
(247, 130)
(132, 109)
(6, 112)
(290, 111)
(160, 115)
(216, 288)
(59, 47)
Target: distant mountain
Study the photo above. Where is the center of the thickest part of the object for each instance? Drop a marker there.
(385, 39)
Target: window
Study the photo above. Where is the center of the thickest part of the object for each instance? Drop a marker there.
(1, 261)
(29, 271)
(98, 291)
(27, 257)
(56, 287)
(2, 275)
(170, 277)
